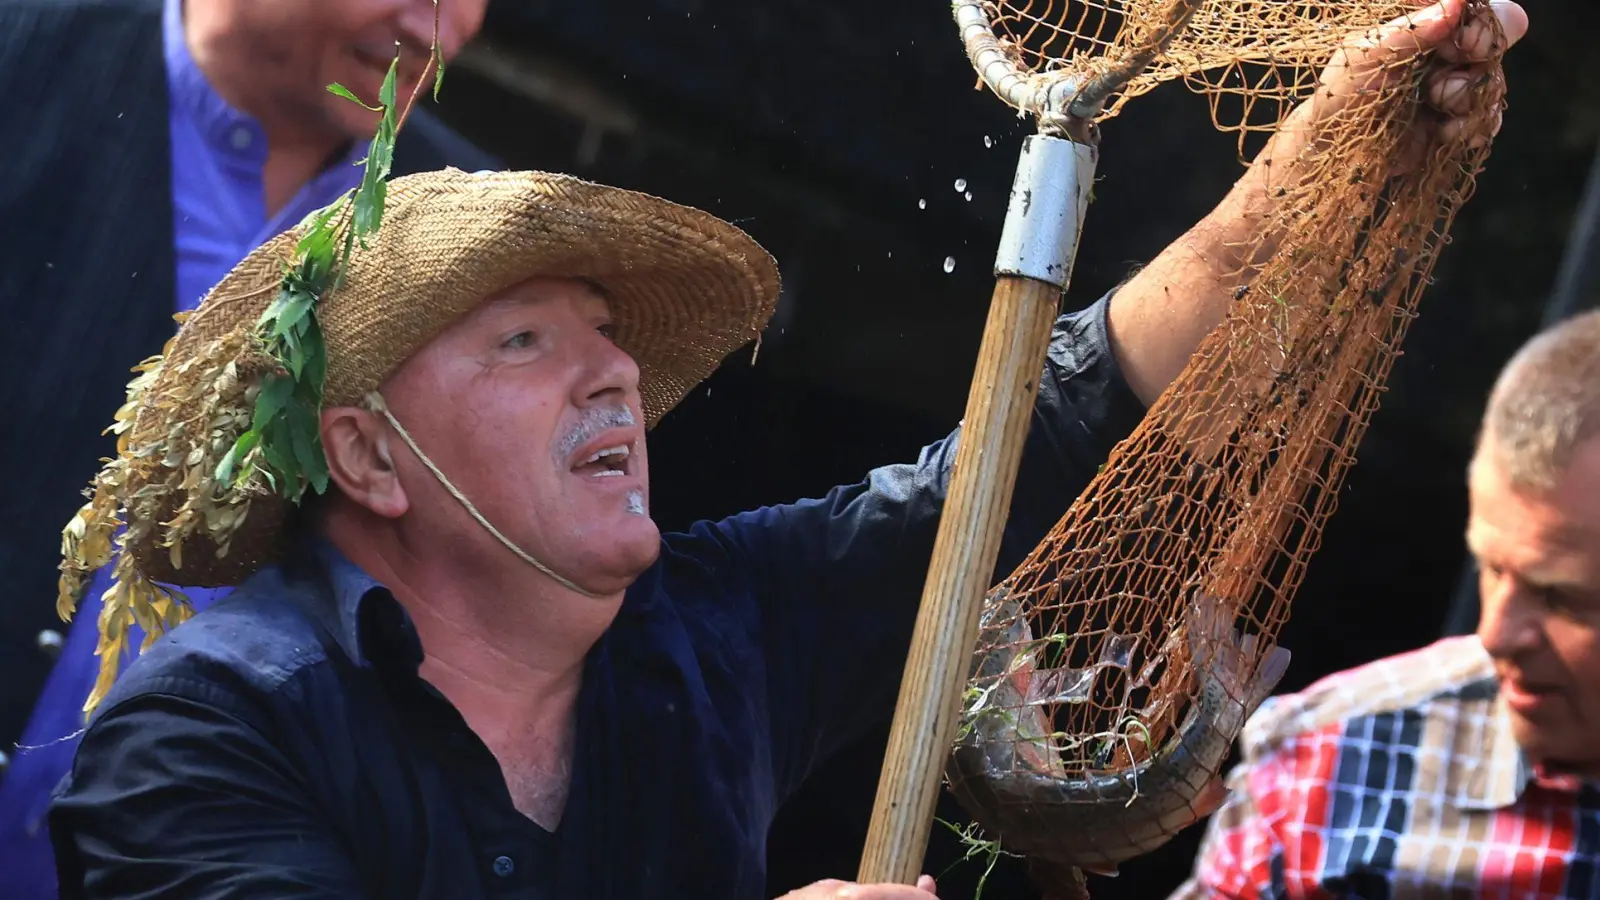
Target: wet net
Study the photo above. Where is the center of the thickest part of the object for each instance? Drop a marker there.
(1116, 665)
(1253, 60)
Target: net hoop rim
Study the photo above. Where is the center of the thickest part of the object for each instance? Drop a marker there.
(1040, 94)
(1055, 99)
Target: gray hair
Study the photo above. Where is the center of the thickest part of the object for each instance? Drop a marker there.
(1545, 404)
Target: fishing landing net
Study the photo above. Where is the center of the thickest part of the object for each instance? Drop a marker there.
(1117, 664)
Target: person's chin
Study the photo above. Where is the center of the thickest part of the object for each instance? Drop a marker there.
(352, 121)
(638, 541)
(623, 558)
(1540, 735)
(629, 543)
(357, 122)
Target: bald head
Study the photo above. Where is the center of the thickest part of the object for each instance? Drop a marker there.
(1545, 404)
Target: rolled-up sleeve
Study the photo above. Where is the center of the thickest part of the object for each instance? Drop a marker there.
(173, 797)
(837, 580)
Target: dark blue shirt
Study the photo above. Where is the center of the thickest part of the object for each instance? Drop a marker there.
(280, 744)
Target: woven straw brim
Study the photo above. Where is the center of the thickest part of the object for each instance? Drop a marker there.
(685, 289)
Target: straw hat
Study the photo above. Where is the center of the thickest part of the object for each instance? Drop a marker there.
(685, 289)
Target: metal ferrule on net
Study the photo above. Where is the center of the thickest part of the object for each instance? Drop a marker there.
(1044, 216)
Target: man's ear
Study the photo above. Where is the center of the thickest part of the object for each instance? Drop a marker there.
(356, 444)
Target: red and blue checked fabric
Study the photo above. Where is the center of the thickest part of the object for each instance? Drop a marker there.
(1400, 779)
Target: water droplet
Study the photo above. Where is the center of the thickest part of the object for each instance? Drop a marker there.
(968, 195)
(961, 185)
(987, 141)
(922, 204)
(949, 264)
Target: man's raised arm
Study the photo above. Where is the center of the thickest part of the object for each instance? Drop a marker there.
(833, 583)
(836, 581)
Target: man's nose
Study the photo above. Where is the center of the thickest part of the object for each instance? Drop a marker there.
(612, 372)
(1508, 623)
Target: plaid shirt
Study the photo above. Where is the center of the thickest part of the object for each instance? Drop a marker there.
(1398, 779)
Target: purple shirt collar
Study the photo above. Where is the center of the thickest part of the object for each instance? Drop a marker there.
(231, 135)
(218, 153)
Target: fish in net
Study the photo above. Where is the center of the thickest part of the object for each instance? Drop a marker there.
(1117, 664)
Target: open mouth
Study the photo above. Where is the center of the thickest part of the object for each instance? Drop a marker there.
(371, 60)
(607, 462)
(1528, 698)
(378, 58)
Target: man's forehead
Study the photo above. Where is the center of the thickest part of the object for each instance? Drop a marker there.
(1577, 497)
(1551, 535)
(467, 332)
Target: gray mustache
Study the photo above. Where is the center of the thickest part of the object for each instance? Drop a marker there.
(595, 421)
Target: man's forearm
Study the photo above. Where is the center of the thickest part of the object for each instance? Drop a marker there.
(1161, 315)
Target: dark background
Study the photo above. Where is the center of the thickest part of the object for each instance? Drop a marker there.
(819, 126)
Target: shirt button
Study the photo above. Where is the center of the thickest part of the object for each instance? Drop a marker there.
(49, 643)
(503, 866)
(241, 138)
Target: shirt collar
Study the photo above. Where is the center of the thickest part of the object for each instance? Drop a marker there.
(1498, 776)
(370, 625)
(1494, 776)
(375, 631)
(230, 133)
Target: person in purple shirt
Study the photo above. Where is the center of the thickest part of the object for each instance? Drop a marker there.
(253, 142)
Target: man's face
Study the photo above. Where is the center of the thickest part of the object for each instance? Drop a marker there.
(1539, 557)
(534, 414)
(314, 43)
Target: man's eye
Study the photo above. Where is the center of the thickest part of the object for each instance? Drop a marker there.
(1557, 599)
(609, 332)
(520, 340)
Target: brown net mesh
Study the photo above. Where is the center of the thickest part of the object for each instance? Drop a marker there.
(1252, 59)
(1117, 664)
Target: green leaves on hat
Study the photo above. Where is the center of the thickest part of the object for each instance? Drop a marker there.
(284, 443)
(183, 481)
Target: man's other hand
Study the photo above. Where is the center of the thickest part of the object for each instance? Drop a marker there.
(1371, 59)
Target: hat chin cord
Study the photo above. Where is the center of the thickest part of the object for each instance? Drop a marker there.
(375, 403)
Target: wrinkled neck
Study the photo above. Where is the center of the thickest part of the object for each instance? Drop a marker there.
(496, 634)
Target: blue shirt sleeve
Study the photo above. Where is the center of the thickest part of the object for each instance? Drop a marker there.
(835, 581)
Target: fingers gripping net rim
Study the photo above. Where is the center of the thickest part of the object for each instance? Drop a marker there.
(1118, 662)
(1252, 59)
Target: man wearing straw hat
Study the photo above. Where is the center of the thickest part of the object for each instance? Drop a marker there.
(473, 667)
